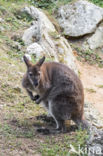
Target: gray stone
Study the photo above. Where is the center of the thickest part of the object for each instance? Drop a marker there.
(40, 23)
(93, 116)
(39, 39)
(96, 40)
(1, 20)
(32, 34)
(1, 29)
(35, 49)
(95, 139)
(28, 56)
(39, 16)
(79, 18)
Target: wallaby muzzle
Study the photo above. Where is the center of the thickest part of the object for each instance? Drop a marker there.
(35, 82)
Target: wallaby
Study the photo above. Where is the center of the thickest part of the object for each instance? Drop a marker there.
(59, 88)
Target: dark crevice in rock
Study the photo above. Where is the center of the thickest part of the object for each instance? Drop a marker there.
(77, 38)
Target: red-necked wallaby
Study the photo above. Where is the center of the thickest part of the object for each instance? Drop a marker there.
(59, 88)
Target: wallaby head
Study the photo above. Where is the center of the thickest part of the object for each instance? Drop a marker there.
(33, 71)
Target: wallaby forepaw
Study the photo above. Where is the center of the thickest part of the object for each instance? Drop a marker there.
(46, 131)
(41, 117)
(38, 100)
(35, 98)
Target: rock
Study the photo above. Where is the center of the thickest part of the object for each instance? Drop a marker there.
(42, 38)
(96, 40)
(32, 34)
(79, 18)
(39, 16)
(1, 29)
(28, 56)
(93, 116)
(40, 22)
(95, 139)
(1, 20)
(36, 49)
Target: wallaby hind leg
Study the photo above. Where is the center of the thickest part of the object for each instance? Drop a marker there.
(60, 128)
(53, 110)
(60, 123)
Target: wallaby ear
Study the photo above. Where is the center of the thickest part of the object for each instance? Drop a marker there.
(41, 61)
(26, 60)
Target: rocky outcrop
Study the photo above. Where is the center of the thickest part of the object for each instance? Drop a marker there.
(96, 40)
(79, 18)
(42, 38)
(95, 140)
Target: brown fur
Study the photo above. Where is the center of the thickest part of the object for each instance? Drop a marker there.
(59, 89)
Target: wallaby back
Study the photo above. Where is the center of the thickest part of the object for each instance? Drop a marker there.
(63, 81)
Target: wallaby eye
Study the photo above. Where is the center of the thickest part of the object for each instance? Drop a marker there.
(30, 74)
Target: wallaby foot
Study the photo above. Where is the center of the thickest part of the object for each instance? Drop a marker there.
(46, 131)
(45, 118)
(60, 122)
(60, 127)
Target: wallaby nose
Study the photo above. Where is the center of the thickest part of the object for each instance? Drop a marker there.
(35, 83)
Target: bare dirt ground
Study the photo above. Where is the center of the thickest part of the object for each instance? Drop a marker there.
(92, 79)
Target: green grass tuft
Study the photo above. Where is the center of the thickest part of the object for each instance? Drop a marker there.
(97, 2)
(89, 56)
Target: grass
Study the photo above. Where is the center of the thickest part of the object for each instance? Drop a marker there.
(89, 56)
(54, 35)
(97, 2)
(9, 132)
(90, 90)
(11, 23)
(63, 146)
(50, 145)
(50, 4)
(99, 86)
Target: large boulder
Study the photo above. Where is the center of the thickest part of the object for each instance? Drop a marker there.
(96, 40)
(42, 38)
(79, 18)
